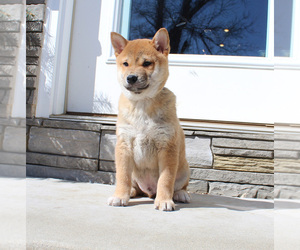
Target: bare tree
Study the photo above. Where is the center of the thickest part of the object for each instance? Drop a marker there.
(196, 26)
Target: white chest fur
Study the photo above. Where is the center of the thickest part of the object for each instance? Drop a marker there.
(145, 135)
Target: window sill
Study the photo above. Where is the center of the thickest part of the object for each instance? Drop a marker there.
(216, 61)
(187, 124)
(241, 62)
(286, 63)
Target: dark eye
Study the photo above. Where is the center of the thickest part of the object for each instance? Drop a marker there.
(147, 63)
(125, 64)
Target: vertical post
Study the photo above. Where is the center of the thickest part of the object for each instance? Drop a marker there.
(125, 21)
(62, 56)
(270, 31)
(295, 36)
(54, 58)
(18, 108)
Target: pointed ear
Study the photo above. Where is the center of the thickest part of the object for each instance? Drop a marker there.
(161, 41)
(118, 42)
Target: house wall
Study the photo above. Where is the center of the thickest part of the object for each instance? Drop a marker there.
(222, 162)
(12, 120)
(35, 14)
(10, 40)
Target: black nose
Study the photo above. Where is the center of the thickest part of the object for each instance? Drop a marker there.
(131, 79)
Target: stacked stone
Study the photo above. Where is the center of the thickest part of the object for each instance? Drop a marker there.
(287, 164)
(68, 150)
(10, 23)
(12, 147)
(12, 130)
(237, 164)
(35, 12)
(234, 164)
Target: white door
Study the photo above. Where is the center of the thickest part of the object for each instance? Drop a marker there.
(222, 67)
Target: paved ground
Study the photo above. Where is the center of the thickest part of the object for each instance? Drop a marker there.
(69, 215)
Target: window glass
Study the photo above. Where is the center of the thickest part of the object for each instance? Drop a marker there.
(211, 27)
(283, 27)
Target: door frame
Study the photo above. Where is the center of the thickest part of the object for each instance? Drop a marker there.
(57, 29)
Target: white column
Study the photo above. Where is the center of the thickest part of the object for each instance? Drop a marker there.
(54, 58)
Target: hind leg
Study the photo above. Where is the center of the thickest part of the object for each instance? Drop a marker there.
(182, 181)
(182, 196)
(183, 176)
(135, 190)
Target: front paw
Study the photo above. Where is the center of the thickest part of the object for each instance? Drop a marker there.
(164, 205)
(116, 201)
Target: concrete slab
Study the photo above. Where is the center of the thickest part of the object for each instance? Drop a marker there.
(12, 213)
(286, 224)
(69, 215)
(72, 215)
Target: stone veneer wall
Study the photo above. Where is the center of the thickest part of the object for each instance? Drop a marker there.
(35, 14)
(10, 39)
(12, 130)
(230, 163)
(287, 162)
(12, 147)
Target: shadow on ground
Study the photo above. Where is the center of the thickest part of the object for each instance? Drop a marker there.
(211, 201)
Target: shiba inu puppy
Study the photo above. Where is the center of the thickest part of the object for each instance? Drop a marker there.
(150, 149)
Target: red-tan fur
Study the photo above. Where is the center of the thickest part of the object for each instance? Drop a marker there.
(150, 150)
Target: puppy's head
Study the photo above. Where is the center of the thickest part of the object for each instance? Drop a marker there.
(142, 64)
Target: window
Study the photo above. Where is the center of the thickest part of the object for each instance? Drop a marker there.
(283, 12)
(207, 27)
